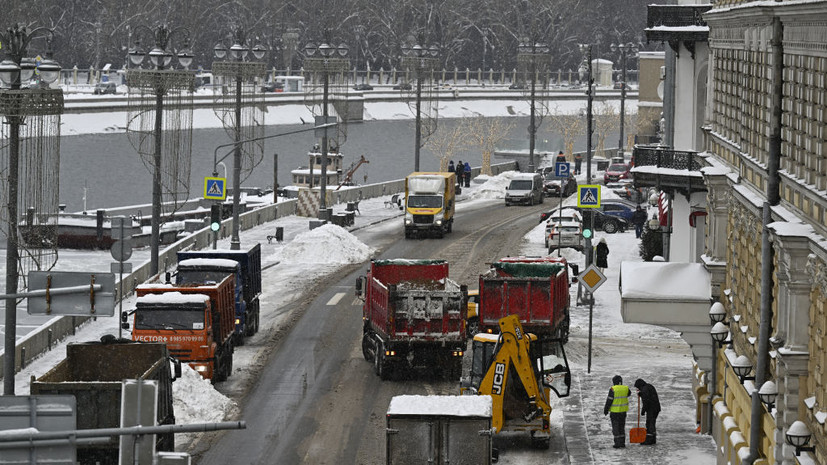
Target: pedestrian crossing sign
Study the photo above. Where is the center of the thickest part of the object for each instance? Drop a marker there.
(215, 188)
(588, 196)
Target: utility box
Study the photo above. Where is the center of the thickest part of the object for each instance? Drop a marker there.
(439, 430)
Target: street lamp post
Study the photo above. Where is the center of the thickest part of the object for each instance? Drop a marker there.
(421, 60)
(159, 81)
(240, 71)
(586, 73)
(534, 58)
(330, 61)
(624, 50)
(21, 106)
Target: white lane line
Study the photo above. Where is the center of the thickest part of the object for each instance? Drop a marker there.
(336, 298)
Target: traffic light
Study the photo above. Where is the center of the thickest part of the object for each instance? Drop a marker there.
(587, 233)
(215, 217)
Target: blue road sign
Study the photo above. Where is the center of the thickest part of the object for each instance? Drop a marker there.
(215, 188)
(588, 196)
(562, 169)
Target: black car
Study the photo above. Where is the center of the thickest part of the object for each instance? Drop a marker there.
(273, 86)
(363, 86)
(106, 88)
(551, 186)
(608, 223)
(403, 86)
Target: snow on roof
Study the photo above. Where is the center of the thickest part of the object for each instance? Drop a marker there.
(664, 280)
(216, 262)
(173, 297)
(456, 406)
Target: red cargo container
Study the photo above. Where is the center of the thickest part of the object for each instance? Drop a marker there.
(413, 317)
(536, 289)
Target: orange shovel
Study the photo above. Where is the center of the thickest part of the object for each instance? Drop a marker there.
(637, 435)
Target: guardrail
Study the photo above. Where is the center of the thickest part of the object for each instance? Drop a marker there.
(37, 342)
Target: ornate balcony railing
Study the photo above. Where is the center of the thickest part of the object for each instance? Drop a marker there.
(675, 22)
(667, 158)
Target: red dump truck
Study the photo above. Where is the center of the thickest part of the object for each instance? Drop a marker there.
(413, 317)
(536, 289)
(196, 322)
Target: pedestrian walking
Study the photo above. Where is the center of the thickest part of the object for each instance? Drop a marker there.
(467, 174)
(617, 404)
(650, 408)
(578, 160)
(602, 254)
(460, 170)
(639, 219)
(451, 168)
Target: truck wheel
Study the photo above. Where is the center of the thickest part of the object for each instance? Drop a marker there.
(366, 348)
(229, 366)
(255, 328)
(377, 359)
(218, 370)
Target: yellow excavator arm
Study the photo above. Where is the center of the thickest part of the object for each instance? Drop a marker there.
(513, 358)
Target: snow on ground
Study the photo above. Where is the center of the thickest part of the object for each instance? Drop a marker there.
(656, 354)
(326, 244)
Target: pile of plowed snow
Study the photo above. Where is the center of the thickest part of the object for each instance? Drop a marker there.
(329, 244)
(493, 187)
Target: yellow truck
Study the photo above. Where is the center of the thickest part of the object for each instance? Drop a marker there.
(430, 202)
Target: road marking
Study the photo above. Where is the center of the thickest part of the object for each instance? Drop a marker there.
(336, 298)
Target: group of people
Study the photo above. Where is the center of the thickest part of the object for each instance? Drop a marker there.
(578, 160)
(617, 404)
(463, 171)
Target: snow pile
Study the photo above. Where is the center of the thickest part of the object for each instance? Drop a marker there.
(329, 244)
(494, 187)
(195, 400)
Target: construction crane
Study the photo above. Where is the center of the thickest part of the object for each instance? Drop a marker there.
(349, 175)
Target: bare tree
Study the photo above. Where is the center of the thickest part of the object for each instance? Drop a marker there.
(571, 127)
(485, 134)
(606, 119)
(446, 142)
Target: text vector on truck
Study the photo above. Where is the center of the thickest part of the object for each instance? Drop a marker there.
(430, 201)
(413, 316)
(196, 323)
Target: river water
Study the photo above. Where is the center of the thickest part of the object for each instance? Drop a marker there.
(108, 170)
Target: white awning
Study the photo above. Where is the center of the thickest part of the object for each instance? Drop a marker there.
(665, 293)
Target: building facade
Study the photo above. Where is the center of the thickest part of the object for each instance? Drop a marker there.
(749, 90)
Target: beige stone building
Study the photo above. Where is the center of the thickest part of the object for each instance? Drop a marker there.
(746, 111)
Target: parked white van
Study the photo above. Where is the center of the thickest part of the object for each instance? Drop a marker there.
(526, 188)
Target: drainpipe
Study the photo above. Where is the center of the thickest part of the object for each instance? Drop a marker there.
(669, 97)
(773, 198)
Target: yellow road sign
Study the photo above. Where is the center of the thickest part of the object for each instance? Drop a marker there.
(591, 278)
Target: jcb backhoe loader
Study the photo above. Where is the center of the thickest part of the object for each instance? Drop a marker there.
(518, 371)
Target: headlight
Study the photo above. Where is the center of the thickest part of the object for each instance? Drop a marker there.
(438, 222)
(200, 368)
(408, 221)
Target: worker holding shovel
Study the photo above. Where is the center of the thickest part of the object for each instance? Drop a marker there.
(650, 408)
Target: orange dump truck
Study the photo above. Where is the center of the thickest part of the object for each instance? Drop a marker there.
(195, 322)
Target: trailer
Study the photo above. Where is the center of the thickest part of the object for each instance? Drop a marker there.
(93, 372)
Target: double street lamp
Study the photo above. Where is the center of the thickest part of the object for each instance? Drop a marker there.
(534, 58)
(34, 112)
(329, 61)
(240, 71)
(624, 50)
(422, 60)
(160, 81)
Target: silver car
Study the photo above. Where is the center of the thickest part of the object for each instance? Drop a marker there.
(565, 235)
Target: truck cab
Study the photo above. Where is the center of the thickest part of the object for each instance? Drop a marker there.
(430, 200)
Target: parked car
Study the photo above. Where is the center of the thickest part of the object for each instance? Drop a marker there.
(565, 235)
(568, 217)
(552, 185)
(608, 223)
(403, 86)
(617, 171)
(567, 211)
(517, 86)
(273, 86)
(363, 86)
(108, 87)
(628, 191)
(618, 208)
